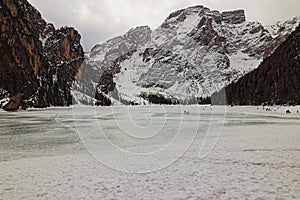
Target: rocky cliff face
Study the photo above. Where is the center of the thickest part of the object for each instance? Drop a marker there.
(193, 53)
(37, 62)
(103, 62)
(275, 81)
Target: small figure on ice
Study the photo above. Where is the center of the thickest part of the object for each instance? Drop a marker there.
(186, 112)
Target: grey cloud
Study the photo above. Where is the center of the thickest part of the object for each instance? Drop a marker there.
(98, 20)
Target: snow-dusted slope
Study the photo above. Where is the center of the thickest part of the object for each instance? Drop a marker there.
(283, 28)
(103, 58)
(192, 54)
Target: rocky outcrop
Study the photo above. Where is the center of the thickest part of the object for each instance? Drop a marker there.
(36, 60)
(275, 81)
(16, 102)
(205, 33)
(234, 17)
(64, 55)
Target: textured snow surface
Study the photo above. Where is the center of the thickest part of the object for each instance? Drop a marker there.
(256, 156)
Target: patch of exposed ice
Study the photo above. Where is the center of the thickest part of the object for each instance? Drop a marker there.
(257, 156)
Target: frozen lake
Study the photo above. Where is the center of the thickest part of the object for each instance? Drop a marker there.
(150, 152)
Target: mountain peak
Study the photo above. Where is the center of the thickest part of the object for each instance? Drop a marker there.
(197, 12)
(193, 9)
(142, 28)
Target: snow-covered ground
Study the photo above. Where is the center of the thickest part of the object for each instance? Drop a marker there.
(150, 152)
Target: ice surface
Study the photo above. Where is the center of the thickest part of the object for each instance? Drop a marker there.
(257, 155)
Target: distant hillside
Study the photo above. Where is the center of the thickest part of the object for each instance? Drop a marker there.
(275, 81)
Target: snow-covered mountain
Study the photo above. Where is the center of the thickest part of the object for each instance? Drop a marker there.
(194, 53)
(102, 61)
(275, 81)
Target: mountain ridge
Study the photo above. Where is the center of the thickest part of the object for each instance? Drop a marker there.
(192, 54)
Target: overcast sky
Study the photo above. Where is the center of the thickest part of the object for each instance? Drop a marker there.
(99, 20)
